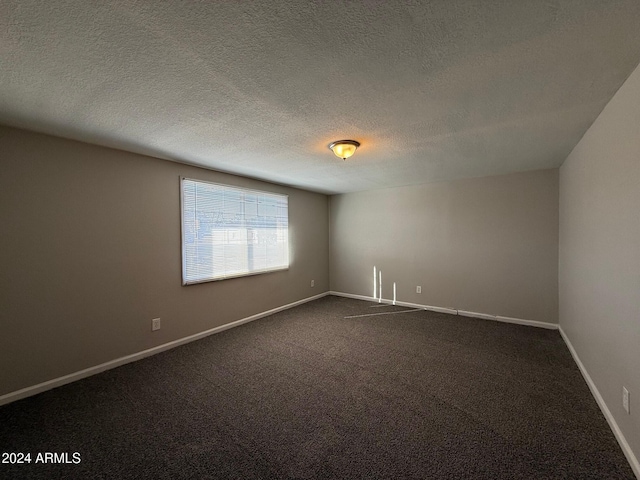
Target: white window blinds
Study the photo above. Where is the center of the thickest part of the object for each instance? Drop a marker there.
(231, 232)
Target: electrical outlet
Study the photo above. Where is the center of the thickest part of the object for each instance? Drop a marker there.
(313, 283)
(418, 289)
(625, 399)
(155, 324)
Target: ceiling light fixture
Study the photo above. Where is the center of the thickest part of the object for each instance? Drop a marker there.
(344, 148)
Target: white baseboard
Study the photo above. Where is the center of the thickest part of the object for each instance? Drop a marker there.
(87, 372)
(452, 311)
(530, 323)
(428, 307)
(484, 316)
(626, 449)
(518, 321)
(358, 297)
(390, 302)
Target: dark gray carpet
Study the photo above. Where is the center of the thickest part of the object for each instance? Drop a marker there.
(307, 393)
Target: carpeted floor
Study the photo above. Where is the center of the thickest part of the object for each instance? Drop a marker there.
(308, 393)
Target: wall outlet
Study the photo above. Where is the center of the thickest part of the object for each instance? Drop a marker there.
(418, 289)
(155, 324)
(625, 399)
(313, 283)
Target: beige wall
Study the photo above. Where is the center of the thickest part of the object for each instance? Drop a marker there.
(487, 245)
(90, 253)
(599, 272)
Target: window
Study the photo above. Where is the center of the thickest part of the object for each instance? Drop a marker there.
(231, 232)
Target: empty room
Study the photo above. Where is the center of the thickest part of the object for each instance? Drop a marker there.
(366, 239)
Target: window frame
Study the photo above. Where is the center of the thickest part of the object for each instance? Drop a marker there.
(183, 247)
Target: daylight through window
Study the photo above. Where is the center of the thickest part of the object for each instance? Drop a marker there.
(230, 231)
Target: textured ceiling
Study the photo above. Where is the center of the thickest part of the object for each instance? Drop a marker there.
(433, 90)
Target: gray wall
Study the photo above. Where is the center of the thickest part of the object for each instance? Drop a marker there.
(599, 272)
(90, 253)
(488, 245)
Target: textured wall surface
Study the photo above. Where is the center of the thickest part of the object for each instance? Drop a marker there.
(433, 90)
(90, 253)
(487, 245)
(599, 272)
